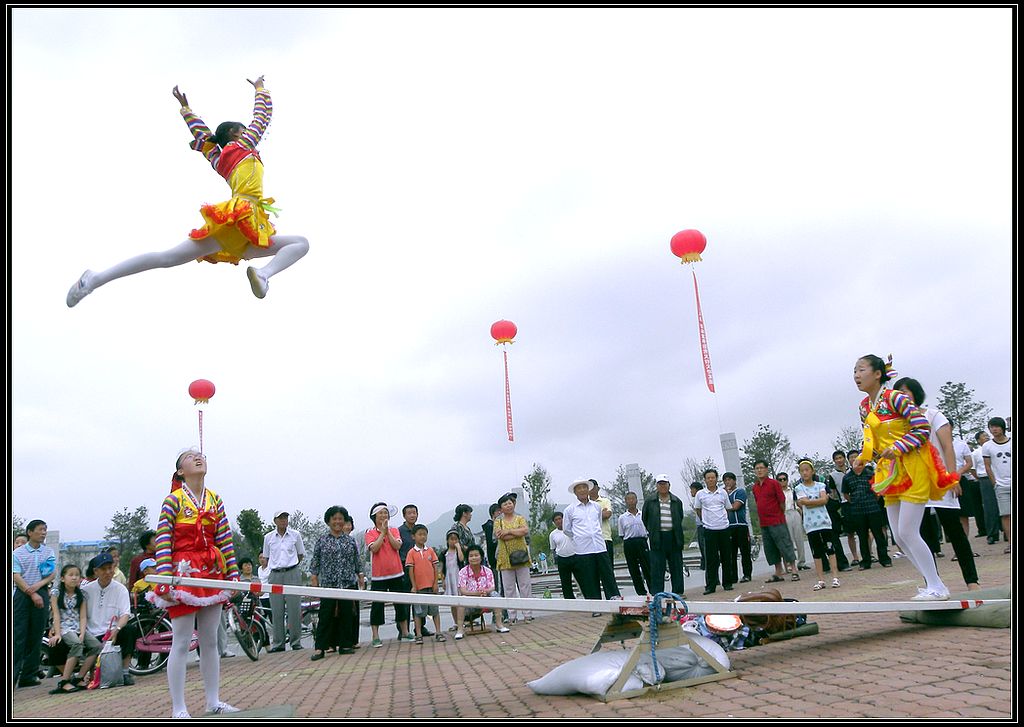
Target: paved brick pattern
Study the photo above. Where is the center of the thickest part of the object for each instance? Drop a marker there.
(867, 666)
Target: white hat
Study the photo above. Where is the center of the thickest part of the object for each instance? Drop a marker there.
(662, 478)
(279, 513)
(579, 481)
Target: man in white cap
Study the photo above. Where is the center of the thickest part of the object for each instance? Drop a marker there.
(284, 550)
(663, 518)
(581, 522)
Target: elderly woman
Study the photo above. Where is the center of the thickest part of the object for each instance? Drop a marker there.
(476, 579)
(386, 571)
(335, 564)
(513, 555)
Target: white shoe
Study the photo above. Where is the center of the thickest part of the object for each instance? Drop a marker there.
(257, 282)
(931, 596)
(228, 654)
(181, 715)
(222, 708)
(80, 289)
(459, 635)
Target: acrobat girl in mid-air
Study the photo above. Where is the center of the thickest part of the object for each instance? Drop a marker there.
(236, 230)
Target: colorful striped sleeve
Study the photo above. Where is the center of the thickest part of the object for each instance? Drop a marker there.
(164, 535)
(202, 136)
(261, 113)
(919, 426)
(225, 541)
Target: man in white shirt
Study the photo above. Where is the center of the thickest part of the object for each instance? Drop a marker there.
(606, 518)
(998, 456)
(565, 557)
(107, 602)
(988, 492)
(970, 492)
(634, 545)
(284, 550)
(712, 507)
(581, 522)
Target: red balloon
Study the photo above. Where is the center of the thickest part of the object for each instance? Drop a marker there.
(688, 245)
(504, 331)
(201, 390)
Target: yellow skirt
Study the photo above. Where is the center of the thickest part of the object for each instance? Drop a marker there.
(235, 224)
(918, 476)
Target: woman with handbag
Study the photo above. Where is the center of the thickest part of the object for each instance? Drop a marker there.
(513, 555)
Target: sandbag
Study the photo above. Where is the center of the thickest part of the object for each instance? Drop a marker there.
(677, 663)
(989, 615)
(593, 674)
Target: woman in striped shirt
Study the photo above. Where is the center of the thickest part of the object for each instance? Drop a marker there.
(235, 230)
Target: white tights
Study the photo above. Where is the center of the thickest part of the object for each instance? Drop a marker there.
(285, 249)
(905, 521)
(206, 621)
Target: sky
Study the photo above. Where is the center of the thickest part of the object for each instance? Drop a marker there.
(851, 168)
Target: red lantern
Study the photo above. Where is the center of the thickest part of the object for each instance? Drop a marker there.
(202, 391)
(503, 332)
(688, 245)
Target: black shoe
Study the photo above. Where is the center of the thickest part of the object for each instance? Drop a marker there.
(887, 565)
(275, 650)
(346, 650)
(427, 633)
(129, 680)
(708, 591)
(864, 567)
(296, 647)
(992, 541)
(317, 656)
(726, 588)
(803, 567)
(745, 579)
(843, 570)
(981, 535)
(33, 682)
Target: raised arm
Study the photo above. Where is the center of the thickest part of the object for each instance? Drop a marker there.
(261, 113)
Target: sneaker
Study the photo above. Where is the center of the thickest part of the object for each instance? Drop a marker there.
(924, 595)
(407, 637)
(835, 583)
(459, 635)
(503, 629)
(898, 554)
(745, 579)
(181, 715)
(228, 654)
(376, 643)
(222, 708)
(274, 650)
(257, 282)
(80, 289)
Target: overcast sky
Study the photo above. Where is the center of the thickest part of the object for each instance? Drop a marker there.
(851, 169)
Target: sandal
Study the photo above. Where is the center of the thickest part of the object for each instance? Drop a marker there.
(439, 637)
(819, 586)
(795, 577)
(835, 583)
(63, 683)
(775, 579)
(418, 640)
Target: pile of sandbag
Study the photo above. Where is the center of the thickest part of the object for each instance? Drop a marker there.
(595, 674)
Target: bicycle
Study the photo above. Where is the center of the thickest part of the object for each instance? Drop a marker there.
(247, 624)
(153, 645)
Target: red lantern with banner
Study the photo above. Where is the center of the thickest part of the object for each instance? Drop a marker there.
(687, 246)
(503, 332)
(202, 391)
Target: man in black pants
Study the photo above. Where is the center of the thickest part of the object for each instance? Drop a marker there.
(739, 530)
(582, 524)
(565, 557)
(634, 545)
(663, 518)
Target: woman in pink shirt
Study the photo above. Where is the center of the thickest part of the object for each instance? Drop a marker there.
(476, 579)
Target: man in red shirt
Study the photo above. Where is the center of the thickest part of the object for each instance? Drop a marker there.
(771, 512)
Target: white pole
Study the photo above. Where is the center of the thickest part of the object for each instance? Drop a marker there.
(634, 606)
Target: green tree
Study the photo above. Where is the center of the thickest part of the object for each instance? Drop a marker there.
(310, 530)
(693, 471)
(252, 529)
(537, 486)
(125, 528)
(17, 526)
(770, 445)
(965, 414)
(616, 491)
(850, 437)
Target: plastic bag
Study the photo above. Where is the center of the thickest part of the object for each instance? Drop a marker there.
(593, 674)
(110, 667)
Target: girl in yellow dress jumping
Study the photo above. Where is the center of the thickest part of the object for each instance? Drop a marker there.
(235, 230)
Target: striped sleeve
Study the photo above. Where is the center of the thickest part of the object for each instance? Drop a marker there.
(224, 540)
(919, 426)
(261, 114)
(164, 533)
(202, 140)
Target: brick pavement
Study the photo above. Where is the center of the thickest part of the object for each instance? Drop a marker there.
(865, 665)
